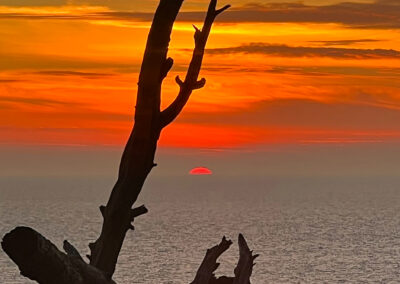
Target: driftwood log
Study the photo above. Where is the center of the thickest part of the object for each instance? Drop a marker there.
(38, 259)
(243, 269)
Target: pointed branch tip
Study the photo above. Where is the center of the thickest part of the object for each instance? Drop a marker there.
(197, 34)
(71, 250)
(179, 81)
(135, 212)
(102, 210)
(199, 84)
(166, 67)
(219, 11)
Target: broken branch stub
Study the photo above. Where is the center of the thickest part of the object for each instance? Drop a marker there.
(243, 270)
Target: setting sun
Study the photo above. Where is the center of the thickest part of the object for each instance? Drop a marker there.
(293, 104)
(200, 171)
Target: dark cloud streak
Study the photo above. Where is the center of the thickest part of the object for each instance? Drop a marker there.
(304, 113)
(343, 42)
(301, 51)
(35, 101)
(381, 14)
(361, 15)
(73, 73)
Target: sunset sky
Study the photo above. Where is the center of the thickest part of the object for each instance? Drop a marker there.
(278, 72)
(294, 140)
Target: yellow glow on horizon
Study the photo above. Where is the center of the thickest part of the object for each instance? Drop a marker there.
(52, 10)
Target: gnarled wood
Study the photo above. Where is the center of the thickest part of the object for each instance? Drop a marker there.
(210, 264)
(40, 260)
(136, 163)
(243, 270)
(138, 157)
(191, 80)
(245, 264)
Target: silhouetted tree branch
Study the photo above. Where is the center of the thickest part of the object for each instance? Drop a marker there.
(191, 80)
(243, 270)
(138, 157)
(40, 260)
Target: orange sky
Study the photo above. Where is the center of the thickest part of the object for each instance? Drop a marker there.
(276, 73)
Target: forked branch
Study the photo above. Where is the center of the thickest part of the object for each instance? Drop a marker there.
(210, 264)
(38, 259)
(191, 81)
(243, 270)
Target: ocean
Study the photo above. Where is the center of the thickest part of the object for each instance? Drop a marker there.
(307, 229)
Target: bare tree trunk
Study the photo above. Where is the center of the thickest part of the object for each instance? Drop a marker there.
(138, 157)
(40, 260)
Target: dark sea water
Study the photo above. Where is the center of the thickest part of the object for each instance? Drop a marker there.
(306, 229)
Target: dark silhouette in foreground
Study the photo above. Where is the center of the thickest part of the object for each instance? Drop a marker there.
(40, 260)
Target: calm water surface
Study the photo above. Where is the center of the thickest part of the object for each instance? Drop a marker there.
(306, 230)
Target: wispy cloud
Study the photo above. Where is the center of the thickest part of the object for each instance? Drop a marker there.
(343, 42)
(380, 14)
(307, 70)
(9, 80)
(11, 61)
(303, 51)
(72, 13)
(51, 12)
(305, 114)
(87, 75)
(35, 101)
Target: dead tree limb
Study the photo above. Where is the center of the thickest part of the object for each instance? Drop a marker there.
(205, 273)
(138, 157)
(136, 162)
(191, 80)
(210, 264)
(40, 260)
(244, 268)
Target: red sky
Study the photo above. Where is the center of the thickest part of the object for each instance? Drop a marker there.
(276, 73)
